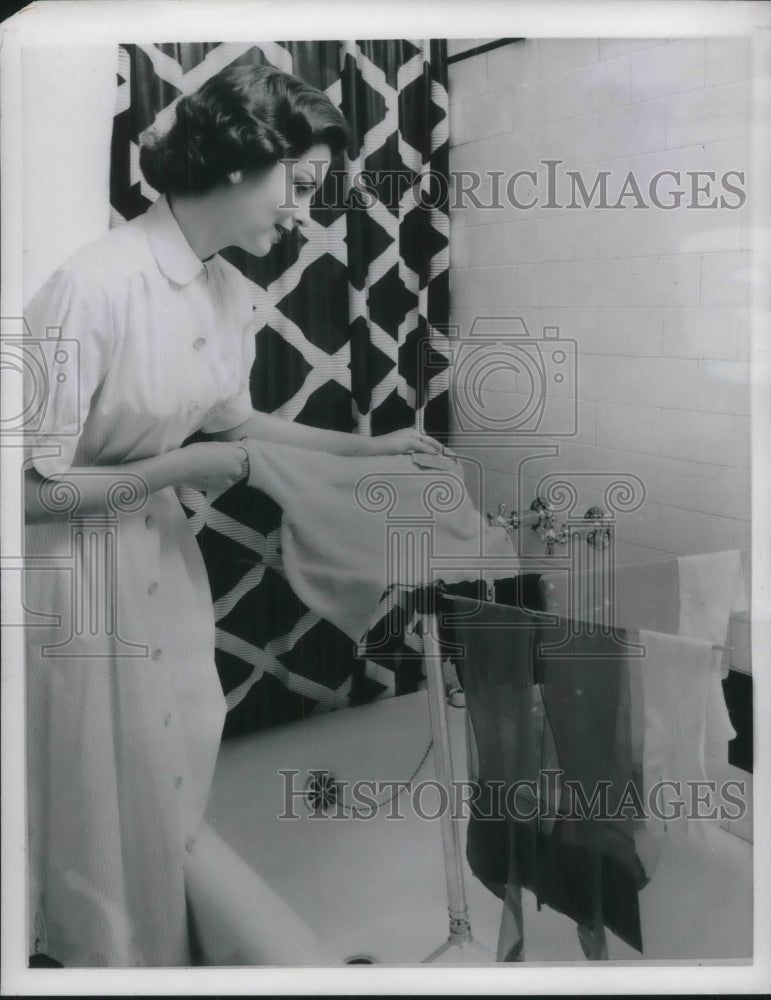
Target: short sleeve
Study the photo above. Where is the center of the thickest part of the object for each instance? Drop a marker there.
(238, 408)
(70, 342)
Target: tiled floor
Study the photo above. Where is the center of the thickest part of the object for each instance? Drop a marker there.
(376, 887)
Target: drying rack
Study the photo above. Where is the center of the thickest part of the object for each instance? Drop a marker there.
(460, 936)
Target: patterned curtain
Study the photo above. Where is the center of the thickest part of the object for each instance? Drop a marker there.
(351, 327)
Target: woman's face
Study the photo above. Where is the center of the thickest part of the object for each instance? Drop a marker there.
(263, 207)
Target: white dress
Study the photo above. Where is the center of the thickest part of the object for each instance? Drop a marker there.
(124, 705)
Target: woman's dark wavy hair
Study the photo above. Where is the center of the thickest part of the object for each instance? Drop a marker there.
(243, 118)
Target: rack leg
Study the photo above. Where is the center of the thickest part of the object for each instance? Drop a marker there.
(460, 927)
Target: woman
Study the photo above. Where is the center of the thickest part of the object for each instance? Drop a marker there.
(124, 704)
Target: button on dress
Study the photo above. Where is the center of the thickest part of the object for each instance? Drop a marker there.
(124, 705)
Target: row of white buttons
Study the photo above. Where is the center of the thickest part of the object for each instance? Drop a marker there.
(197, 345)
(149, 523)
(158, 653)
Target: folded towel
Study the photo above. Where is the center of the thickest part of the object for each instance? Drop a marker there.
(354, 526)
(677, 674)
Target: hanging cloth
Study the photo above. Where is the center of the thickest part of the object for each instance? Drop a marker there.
(546, 694)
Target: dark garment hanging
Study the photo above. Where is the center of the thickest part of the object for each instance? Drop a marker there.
(547, 693)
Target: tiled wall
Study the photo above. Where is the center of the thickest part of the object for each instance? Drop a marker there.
(656, 300)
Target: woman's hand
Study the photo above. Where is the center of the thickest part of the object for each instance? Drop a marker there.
(403, 442)
(213, 467)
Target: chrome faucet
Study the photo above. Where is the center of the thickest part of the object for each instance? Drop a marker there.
(541, 519)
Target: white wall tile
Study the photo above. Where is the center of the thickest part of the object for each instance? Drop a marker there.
(667, 480)
(575, 324)
(686, 532)
(661, 316)
(574, 141)
(482, 117)
(472, 155)
(664, 189)
(512, 151)
(636, 332)
(580, 92)
(597, 88)
(513, 64)
(628, 130)
(467, 78)
(498, 288)
(513, 242)
(482, 205)
(703, 332)
(670, 280)
(667, 69)
(591, 465)
(630, 232)
(725, 279)
(744, 338)
(570, 237)
(538, 102)
(600, 283)
(666, 382)
(697, 230)
(742, 539)
(586, 430)
(724, 386)
(641, 526)
(742, 441)
(723, 490)
(521, 321)
(720, 112)
(610, 48)
(469, 246)
(697, 437)
(629, 554)
(507, 287)
(559, 55)
(728, 154)
(630, 428)
(727, 59)
(551, 283)
(502, 190)
(483, 326)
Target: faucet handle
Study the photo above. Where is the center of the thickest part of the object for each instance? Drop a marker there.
(599, 538)
(499, 518)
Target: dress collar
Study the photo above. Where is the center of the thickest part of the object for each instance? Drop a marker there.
(175, 257)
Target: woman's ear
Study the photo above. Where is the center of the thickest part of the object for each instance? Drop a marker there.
(236, 177)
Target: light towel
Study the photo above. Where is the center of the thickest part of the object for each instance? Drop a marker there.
(711, 587)
(677, 674)
(354, 526)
